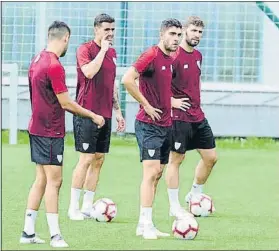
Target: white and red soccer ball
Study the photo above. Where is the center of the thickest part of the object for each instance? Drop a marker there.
(201, 205)
(185, 228)
(104, 210)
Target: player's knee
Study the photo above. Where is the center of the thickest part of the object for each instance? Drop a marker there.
(55, 182)
(176, 159)
(41, 178)
(211, 160)
(214, 159)
(85, 160)
(159, 175)
(41, 181)
(99, 157)
(158, 171)
(151, 171)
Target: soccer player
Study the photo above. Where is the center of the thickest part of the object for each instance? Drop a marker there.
(153, 121)
(190, 127)
(49, 100)
(96, 91)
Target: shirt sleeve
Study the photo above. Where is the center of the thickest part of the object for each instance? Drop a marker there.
(83, 56)
(56, 75)
(30, 88)
(114, 56)
(114, 53)
(144, 60)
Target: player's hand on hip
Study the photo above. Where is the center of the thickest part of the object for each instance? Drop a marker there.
(180, 103)
(99, 120)
(121, 124)
(154, 113)
(105, 44)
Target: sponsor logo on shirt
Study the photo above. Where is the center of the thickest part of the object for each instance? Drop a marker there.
(163, 68)
(186, 66)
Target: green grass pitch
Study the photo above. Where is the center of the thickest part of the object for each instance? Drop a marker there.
(244, 186)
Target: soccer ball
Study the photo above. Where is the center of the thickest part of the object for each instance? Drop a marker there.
(104, 210)
(185, 228)
(201, 205)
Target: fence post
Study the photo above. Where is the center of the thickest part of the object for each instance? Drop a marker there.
(13, 103)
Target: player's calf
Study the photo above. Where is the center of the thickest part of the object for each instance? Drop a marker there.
(78, 179)
(172, 181)
(203, 170)
(151, 170)
(80, 171)
(91, 182)
(208, 156)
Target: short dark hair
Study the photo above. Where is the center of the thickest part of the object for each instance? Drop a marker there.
(57, 30)
(171, 22)
(103, 18)
(194, 20)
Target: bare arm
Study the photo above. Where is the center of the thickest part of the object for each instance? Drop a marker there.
(129, 81)
(115, 100)
(118, 114)
(71, 106)
(91, 69)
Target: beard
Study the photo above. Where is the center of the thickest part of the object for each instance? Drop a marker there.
(169, 47)
(191, 44)
(189, 41)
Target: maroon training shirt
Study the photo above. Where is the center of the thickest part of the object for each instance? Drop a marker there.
(46, 79)
(96, 94)
(155, 69)
(186, 84)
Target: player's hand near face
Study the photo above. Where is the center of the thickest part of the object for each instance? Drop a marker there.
(180, 103)
(154, 113)
(105, 43)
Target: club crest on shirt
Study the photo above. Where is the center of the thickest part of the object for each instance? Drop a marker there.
(151, 152)
(114, 60)
(199, 64)
(163, 68)
(59, 158)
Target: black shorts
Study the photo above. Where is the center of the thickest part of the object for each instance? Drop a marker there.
(154, 141)
(89, 138)
(189, 135)
(46, 151)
